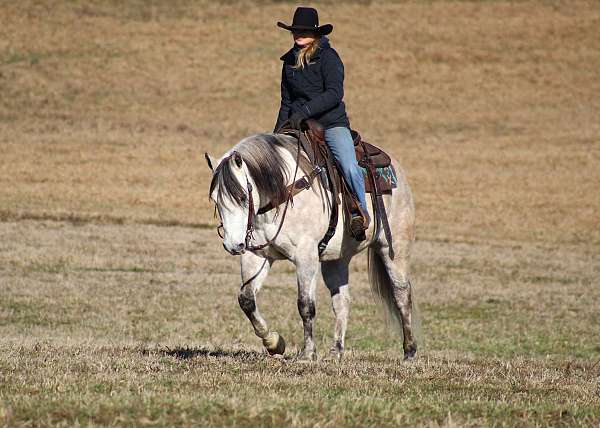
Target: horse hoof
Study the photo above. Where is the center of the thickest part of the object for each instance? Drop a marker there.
(410, 354)
(274, 343)
(306, 357)
(336, 352)
(334, 356)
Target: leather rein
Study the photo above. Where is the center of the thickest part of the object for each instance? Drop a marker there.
(291, 190)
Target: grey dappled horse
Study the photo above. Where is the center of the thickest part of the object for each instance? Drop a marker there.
(255, 172)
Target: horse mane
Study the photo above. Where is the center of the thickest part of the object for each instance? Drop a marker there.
(262, 154)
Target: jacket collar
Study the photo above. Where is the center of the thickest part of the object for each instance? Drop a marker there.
(289, 55)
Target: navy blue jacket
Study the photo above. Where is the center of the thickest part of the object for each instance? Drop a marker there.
(316, 90)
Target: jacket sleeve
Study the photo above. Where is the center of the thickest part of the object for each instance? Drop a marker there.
(332, 69)
(286, 102)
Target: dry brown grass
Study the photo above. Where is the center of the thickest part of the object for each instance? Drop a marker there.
(117, 305)
(493, 107)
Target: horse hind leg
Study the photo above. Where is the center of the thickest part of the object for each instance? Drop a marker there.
(254, 271)
(335, 276)
(390, 281)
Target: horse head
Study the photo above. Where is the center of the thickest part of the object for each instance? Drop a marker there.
(233, 194)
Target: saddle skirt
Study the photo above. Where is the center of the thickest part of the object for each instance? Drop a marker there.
(385, 178)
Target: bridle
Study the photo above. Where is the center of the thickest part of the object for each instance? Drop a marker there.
(252, 213)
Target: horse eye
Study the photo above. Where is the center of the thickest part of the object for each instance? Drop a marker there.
(244, 199)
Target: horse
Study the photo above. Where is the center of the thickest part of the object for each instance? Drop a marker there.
(255, 173)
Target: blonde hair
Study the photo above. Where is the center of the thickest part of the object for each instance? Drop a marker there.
(307, 52)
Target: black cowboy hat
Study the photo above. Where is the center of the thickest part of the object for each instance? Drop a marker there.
(307, 19)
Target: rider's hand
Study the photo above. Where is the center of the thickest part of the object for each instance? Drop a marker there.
(296, 119)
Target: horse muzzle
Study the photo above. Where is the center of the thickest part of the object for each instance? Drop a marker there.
(236, 250)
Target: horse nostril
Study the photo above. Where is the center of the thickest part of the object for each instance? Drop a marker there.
(236, 250)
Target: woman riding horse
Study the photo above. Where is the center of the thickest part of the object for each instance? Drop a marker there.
(312, 86)
(251, 181)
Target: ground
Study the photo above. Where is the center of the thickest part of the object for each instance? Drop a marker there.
(118, 305)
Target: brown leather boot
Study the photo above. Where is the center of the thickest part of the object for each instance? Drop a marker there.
(359, 223)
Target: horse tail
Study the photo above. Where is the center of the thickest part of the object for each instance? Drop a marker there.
(382, 289)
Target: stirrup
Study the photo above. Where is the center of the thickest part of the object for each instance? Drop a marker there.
(358, 226)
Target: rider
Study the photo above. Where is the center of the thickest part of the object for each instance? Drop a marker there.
(312, 86)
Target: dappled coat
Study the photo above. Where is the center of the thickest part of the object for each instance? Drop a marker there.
(316, 90)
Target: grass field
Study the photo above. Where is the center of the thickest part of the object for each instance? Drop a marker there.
(118, 305)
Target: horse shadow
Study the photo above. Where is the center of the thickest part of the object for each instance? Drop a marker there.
(187, 353)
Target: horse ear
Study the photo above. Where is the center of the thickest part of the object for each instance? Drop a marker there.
(209, 161)
(238, 159)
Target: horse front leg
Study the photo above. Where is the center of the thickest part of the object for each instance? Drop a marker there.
(335, 275)
(306, 271)
(254, 271)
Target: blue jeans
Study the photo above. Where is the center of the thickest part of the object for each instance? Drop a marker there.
(340, 142)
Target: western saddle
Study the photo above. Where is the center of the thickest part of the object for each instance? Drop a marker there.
(370, 158)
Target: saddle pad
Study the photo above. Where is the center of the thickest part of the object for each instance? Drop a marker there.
(385, 178)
